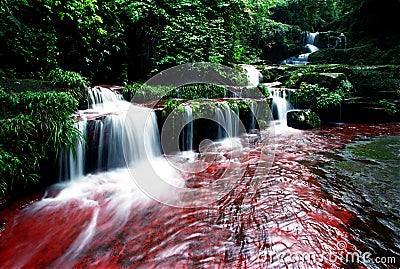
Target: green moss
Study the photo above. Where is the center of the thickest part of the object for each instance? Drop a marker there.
(367, 53)
(383, 149)
(142, 92)
(303, 119)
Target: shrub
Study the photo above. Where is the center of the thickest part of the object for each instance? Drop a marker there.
(390, 107)
(143, 92)
(316, 97)
(34, 126)
(71, 82)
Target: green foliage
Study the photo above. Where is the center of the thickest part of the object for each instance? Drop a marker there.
(71, 82)
(390, 107)
(68, 79)
(276, 41)
(123, 40)
(264, 90)
(198, 91)
(130, 90)
(345, 88)
(316, 97)
(303, 119)
(127, 40)
(34, 126)
(239, 104)
(368, 81)
(189, 92)
(205, 32)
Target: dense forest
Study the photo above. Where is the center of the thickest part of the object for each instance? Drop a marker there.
(67, 45)
(127, 40)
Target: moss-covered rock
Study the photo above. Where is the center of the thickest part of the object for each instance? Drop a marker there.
(303, 119)
(327, 80)
(332, 39)
(368, 54)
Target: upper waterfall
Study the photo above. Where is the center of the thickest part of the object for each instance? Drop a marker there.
(310, 41)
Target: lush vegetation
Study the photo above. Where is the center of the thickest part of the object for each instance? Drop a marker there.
(142, 92)
(325, 88)
(34, 127)
(128, 40)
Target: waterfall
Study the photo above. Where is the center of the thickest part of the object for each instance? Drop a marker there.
(109, 129)
(231, 120)
(252, 124)
(100, 97)
(280, 105)
(254, 76)
(220, 119)
(310, 40)
(187, 131)
(72, 163)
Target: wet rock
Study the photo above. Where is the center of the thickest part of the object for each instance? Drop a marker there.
(303, 119)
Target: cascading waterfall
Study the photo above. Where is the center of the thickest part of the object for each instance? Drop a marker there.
(72, 163)
(105, 124)
(252, 124)
(280, 105)
(311, 38)
(254, 76)
(122, 139)
(187, 131)
(100, 97)
(231, 120)
(309, 45)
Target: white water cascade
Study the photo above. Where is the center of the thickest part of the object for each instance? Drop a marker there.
(231, 120)
(254, 76)
(187, 131)
(108, 129)
(309, 45)
(280, 106)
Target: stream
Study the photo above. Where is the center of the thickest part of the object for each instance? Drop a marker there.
(329, 200)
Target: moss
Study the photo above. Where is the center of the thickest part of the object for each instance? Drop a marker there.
(368, 54)
(327, 80)
(303, 119)
(382, 149)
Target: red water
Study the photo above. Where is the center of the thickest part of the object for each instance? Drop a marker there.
(109, 224)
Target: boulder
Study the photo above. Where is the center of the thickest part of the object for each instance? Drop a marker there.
(303, 119)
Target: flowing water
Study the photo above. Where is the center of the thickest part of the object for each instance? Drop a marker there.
(309, 46)
(254, 76)
(315, 200)
(328, 193)
(280, 106)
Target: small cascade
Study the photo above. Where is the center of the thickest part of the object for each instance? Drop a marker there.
(280, 105)
(252, 123)
(187, 131)
(220, 119)
(309, 45)
(108, 129)
(254, 76)
(72, 163)
(310, 38)
(100, 98)
(231, 120)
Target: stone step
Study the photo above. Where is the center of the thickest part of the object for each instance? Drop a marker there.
(365, 112)
(387, 95)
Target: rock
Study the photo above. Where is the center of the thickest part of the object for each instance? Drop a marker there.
(327, 80)
(303, 119)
